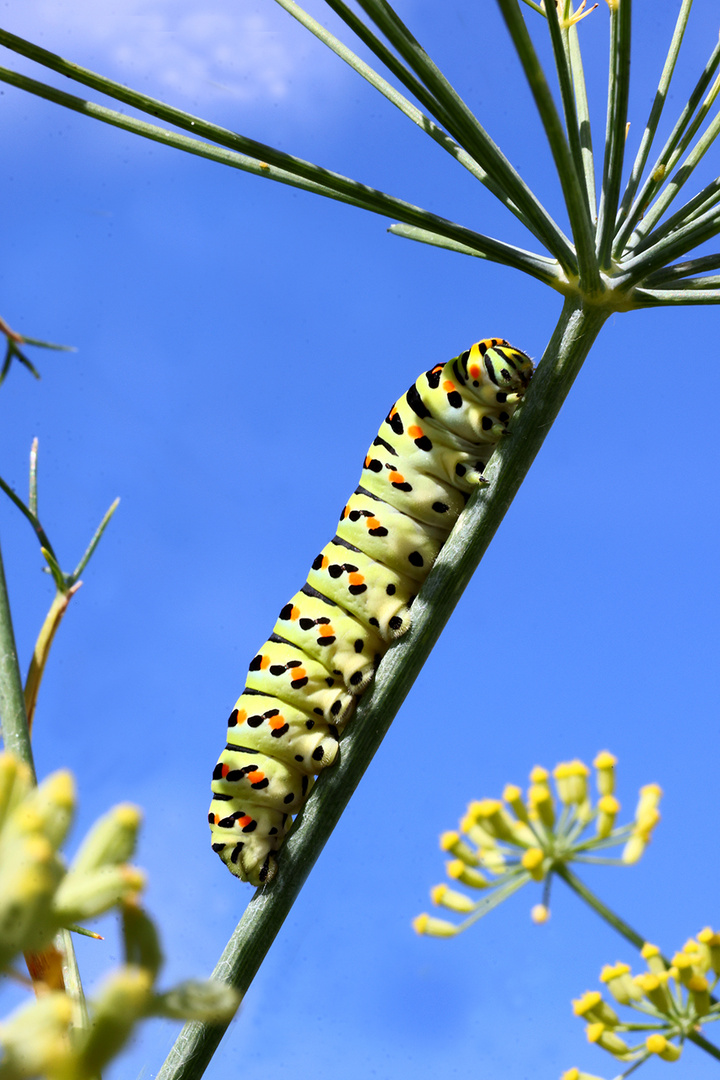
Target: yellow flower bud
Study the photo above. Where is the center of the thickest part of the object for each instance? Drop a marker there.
(111, 840)
(451, 841)
(491, 815)
(541, 804)
(651, 955)
(608, 808)
(618, 980)
(84, 895)
(444, 896)
(539, 914)
(650, 796)
(34, 1039)
(711, 941)
(593, 1007)
(571, 782)
(432, 927)
(658, 1044)
(605, 764)
(655, 990)
(513, 797)
(700, 990)
(608, 1040)
(458, 871)
(532, 861)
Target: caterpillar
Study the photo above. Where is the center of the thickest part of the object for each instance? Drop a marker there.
(428, 456)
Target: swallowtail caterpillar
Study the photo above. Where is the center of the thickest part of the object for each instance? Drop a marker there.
(428, 456)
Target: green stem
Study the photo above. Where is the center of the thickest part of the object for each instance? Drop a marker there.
(15, 731)
(600, 908)
(583, 115)
(702, 1042)
(42, 648)
(577, 329)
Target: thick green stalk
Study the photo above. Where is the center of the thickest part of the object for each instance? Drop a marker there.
(15, 733)
(601, 909)
(576, 332)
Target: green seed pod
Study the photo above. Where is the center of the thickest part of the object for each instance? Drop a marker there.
(110, 841)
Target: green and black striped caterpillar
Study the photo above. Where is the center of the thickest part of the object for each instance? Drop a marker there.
(302, 686)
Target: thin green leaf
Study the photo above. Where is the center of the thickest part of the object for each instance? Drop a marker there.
(37, 527)
(15, 731)
(675, 297)
(655, 114)
(55, 569)
(688, 212)
(685, 269)
(663, 163)
(6, 362)
(93, 543)
(646, 231)
(48, 345)
(573, 188)
(32, 499)
(366, 198)
(464, 126)
(546, 270)
(706, 227)
(583, 116)
(399, 100)
(559, 40)
(615, 131)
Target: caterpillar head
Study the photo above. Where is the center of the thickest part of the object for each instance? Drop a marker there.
(494, 365)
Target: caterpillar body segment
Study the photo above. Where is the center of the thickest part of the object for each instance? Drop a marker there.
(429, 454)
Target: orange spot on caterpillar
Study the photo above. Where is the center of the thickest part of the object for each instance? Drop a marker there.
(325, 562)
(438, 367)
(372, 523)
(276, 722)
(225, 769)
(216, 819)
(326, 631)
(344, 513)
(474, 371)
(241, 716)
(294, 613)
(396, 478)
(298, 673)
(243, 821)
(448, 386)
(367, 462)
(255, 776)
(415, 432)
(264, 662)
(355, 579)
(393, 412)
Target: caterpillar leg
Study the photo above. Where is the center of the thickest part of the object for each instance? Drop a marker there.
(246, 841)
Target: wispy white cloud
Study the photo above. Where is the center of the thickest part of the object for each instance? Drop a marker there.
(247, 51)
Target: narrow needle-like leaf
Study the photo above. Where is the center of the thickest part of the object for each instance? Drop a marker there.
(583, 115)
(558, 38)
(32, 498)
(343, 189)
(464, 126)
(15, 731)
(93, 543)
(572, 186)
(615, 133)
(663, 165)
(655, 114)
(37, 527)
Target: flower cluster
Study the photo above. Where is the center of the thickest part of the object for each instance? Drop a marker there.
(673, 998)
(503, 844)
(59, 1035)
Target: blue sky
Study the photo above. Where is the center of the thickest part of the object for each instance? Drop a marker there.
(238, 344)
